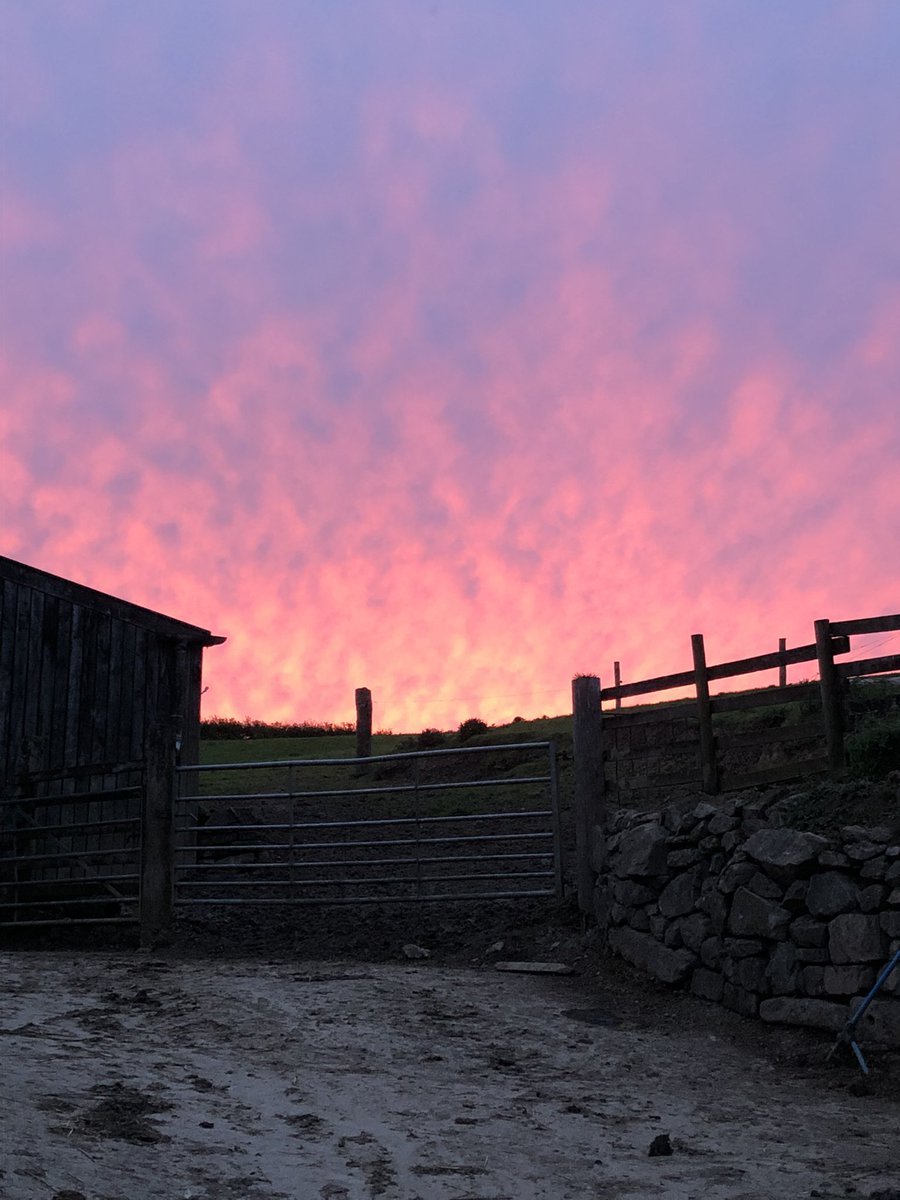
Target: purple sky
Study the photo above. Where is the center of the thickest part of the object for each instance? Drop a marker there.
(452, 349)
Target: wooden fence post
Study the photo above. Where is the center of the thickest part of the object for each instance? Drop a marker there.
(830, 688)
(157, 833)
(782, 666)
(589, 803)
(704, 715)
(363, 723)
(617, 674)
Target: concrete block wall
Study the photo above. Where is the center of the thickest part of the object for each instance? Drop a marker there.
(775, 923)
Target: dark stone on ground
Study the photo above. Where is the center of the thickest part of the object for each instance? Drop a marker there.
(660, 1146)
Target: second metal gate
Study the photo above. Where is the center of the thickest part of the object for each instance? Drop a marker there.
(70, 847)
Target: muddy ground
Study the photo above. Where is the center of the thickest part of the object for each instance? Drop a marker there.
(233, 1064)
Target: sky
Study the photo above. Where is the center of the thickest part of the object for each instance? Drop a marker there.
(454, 349)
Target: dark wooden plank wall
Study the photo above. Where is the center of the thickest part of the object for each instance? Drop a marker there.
(80, 686)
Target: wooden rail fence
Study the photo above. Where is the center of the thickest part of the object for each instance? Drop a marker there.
(696, 744)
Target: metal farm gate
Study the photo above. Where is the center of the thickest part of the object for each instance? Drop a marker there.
(421, 826)
(70, 848)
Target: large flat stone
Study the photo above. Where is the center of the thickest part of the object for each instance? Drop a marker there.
(645, 952)
(813, 1014)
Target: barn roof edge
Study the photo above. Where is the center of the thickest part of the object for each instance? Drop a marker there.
(79, 593)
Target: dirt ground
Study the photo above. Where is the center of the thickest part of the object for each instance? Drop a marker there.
(190, 1073)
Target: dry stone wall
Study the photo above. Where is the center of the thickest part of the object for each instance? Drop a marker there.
(772, 922)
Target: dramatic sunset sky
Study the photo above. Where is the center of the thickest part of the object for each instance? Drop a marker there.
(454, 348)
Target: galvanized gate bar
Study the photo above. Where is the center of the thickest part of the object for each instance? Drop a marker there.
(348, 824)
(357, 762)
(388, 789)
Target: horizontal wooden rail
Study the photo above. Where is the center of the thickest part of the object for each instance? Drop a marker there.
(868, 666)
(661, 683)
(740, 701)
(740, 666)
(867, 625)
(766, 662)
(736, 780)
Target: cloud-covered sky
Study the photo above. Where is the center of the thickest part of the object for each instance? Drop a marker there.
(452, 349)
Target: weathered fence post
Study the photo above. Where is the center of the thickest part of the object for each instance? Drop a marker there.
(590, 807)
(830, 688)
(782, 666)
(157, 833)
(617, 675)
(363, 723)
(704, 715)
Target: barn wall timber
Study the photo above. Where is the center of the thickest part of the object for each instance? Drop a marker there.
(84, 675)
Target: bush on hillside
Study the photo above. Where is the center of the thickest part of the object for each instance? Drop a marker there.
(471, 728)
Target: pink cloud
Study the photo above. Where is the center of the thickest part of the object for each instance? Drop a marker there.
(423, 412)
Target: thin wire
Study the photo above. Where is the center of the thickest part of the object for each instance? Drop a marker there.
(892, 637)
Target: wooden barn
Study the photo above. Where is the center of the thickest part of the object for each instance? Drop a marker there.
(85, 680)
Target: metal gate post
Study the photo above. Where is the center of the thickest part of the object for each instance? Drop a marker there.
(157, 833)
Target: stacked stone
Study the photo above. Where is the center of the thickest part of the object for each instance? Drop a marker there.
(771, 922)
